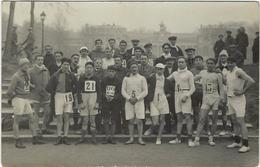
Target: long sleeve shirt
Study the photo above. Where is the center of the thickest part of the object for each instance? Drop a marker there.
(134, 85)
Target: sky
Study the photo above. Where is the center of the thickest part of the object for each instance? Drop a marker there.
(177, 16)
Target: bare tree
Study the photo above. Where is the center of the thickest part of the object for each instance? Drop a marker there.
(60, 28)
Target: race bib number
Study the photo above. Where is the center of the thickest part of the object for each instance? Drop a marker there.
(26, 87)
(178, 88)
(209, 88)
(110, 90)
(124, 63)
(199, 81)
(68, 98)
(90, 86)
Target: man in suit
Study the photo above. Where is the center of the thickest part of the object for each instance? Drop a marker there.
(175, 50)
(135, 43)
(112, 46)
(242, 41)
(255, 49)
(218, 46)
(166, 48)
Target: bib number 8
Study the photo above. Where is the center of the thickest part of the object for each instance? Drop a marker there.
(68, 98)
(209, 88)
(90, 86)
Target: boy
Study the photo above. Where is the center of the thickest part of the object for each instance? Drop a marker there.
(213, 95)
(134, 90)
(63, 84)
(159, 88)
(18, 93)
(111, 88)
(184, 88)
(89, 88)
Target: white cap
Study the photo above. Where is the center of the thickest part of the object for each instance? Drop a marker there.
(23, 61)
(223, 52)
(83, 48)
(160, 65)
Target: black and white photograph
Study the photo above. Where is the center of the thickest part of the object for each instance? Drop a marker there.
(129, 83)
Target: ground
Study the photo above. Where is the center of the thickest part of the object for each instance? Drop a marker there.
(151, 155)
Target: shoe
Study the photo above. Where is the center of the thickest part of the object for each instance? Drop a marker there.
(196, 141)
(112, 141)
(129, 142)
(190, 143)
(94, 141)
(244, 149)
(175, 141)
(36, 140)
(19, 144)
(141, 142)
(223, 133)
(211, 141)
(158, 141)
(58, 141)
(81, 140)
(195, 132)
(47, 132)
(234, 145)
(106, 141)
(148, 132)
(65, 141)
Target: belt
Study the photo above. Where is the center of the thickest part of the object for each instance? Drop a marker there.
(180, 90)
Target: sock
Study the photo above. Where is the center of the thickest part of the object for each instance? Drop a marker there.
(237, 139)
(245, 142)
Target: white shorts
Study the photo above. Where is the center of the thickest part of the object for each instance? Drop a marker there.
(210, 102)
(89, 101)
(185, 108)
(159, 107)
(21, 106)
(134, 111)
(237, 105)
(61, 106)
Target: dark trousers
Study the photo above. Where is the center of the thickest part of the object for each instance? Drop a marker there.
(171, 116)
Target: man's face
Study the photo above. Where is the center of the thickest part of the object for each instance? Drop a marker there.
(173, 42)
(84, 52)
(89, 69)
(210, 65)
(144, 59)
(122, 46)
(230, 65)
(108, 53)
(39, 60)
(169, 63)
(118, 62)
(75, 60)
(25, 67)
(148, 49)
(223, 58)
(112, 43)
(135, 43)
(159, 71)
(134, 68)
(166, 49)
(65, 67)
(138, 53)
(98, 64)
(48, 49)
(58, 57)
(111, 73)
(198, 62)
(181, 63)
(98, 45)
(220, 37)
(190, 54)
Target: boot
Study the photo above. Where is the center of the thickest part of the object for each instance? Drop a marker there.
(82, 138)
(19, 144)
(65, 140)
(59, 141)
(36, 140)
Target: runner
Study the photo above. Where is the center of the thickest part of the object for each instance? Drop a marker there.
(238, 83)
(184, 88)
(134, 90)
(213, 95)
(18, 94)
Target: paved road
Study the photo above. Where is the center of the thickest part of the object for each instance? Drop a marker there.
(151, 155)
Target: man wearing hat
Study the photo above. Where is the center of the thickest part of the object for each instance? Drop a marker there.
(175, 50)
(190, 52)
(148, 51)
(255, 49)
(49, 58)
(29, 41)
(98, 51)
(242, 41)
(159, 88)
(218, 46)
(84, 58)
(14, 41)
(135, 43)
(234, 52)
(229, 39)
(123, 53)
(19, 95)
(166, 48)
(112, 46)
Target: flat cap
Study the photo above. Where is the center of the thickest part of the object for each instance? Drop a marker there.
(160, 65)
(148, 45)
(172, 38)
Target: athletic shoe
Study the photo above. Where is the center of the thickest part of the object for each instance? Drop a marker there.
(223, 133)
(148, 132)
(196, 141)
(19, 144)
(211, 142)
(175, 141)
(244, 149)
(158, 141)
(191, 143)
(36, 140)
(58, 141)
(65, 141)
(234, 145)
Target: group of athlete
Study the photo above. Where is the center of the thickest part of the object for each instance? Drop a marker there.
(124, 85)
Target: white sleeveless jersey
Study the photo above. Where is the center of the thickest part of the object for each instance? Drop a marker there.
(234, 82)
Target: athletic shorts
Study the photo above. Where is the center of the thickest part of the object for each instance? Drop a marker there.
(196, 99)
(41, 97)
(134, 111)
(21, 106)
(237, 105)
(185, 108)
(210, 103)
(159, 107)
(89, 101)
(62, 104)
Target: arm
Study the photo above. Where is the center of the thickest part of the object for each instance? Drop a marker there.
(220, 85)
(171, 77)
(11, 89)
(192, 86)
(123, 90)
(249, 81)
(144, 90)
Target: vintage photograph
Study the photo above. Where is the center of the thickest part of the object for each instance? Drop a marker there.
(130, 84)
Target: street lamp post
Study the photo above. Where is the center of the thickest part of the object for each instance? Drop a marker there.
(43, 15)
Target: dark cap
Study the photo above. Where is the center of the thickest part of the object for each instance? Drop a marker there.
(65, 59)
(231, 59)
(189, 49)
(131, 62)
(170, 59)
(89, 63)
(228, 31)
(148, 45)
(172, 38)
(111, 68)
(135, 40)
(138, 48)
(198, 57)
(111, 39)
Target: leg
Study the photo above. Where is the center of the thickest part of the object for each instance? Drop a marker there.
(155, 123)
(93, 128)
(179, 125)
(46, 116)
(83, 130)
(131, 131)
(17, 119)
(162, 124)
(66, 124)
(106, 125)
(214, 122)
(202, 120)
(244, 132)
(59, 124)
(36, 107)
(34, 132)
(140, 131)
